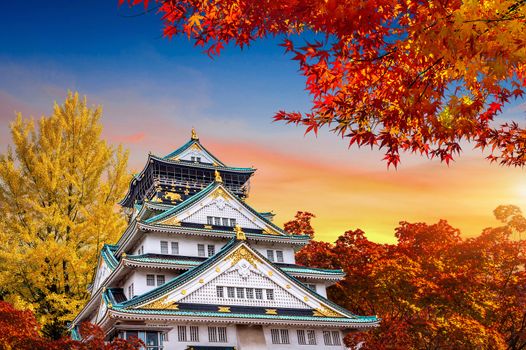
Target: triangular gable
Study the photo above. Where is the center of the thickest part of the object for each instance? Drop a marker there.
(193, 148)
(237, 260)
(216, 201)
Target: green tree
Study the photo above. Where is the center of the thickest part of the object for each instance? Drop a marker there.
(59, 183)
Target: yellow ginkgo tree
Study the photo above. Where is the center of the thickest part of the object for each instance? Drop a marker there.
(59, 182)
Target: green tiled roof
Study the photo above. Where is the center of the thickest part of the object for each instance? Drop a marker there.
(107, 254)
(356, 319)
(193, 262)
(195, 271)
(188, 145)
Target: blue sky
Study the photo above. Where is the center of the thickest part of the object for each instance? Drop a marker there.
(154, 90)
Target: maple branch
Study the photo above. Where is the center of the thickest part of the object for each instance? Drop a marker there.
(378, 57)
(495, 20)
(425, 71)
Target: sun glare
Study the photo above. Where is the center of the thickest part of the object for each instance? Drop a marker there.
(521, 189)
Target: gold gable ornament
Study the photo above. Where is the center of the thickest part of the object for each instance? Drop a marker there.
(218, 177)
(161, 304)
(240, 235)
(194, 135)
(324, 311)
(172, 221)
(243, 253)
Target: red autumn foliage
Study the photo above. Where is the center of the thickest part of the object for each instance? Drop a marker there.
(400, 75)
(433, 289)
(300, 225)
(19, 330)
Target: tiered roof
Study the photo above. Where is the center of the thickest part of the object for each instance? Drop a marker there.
(156, 301)
(163, 205)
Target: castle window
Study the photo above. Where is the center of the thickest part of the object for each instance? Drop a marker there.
(160, 280)
(225, 221)
(194, 333)
(311, 286)
(232, 222)
(270, 294)
(270, 255)
(331, 338)
(130, 291)
(150, 280)
(175, 248)
(259, 293)
(279, 255)
(164, 247)
(210, 220)
(250, 293)
(240, 293)
(181, 333)
(301, 337)
(217, 221)
(201, 250)
(211, 249)
(280, 336)
(217, 335)
(311, 337)
(220, 292)
(231, 292)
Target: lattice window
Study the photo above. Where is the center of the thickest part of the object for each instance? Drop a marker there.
(270, 294)
(194, 333)
(270, 255)
(217, 335)
(150, 280)
(301, 337)
(175, 248)
(279, 256)
(212, 334)
(181, 333)
(240, 293)
(336, 338)
(211, 249)
(311, 286)
(259, 293)
(311, 337)
(200, 250)
(331, 338)
(164, 247)
(250, 293)
(232, 222)
(220, 292)
(221, 334)
(231, 292)
(210, 220)
(280, 336)
(161, 280)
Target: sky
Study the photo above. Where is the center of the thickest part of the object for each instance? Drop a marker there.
(154, 90)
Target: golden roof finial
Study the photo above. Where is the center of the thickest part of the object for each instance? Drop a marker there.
(218, 177)
(240, 235)
(194, 135)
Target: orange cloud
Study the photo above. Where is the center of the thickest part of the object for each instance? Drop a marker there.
(374, 200)
(132, 138)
